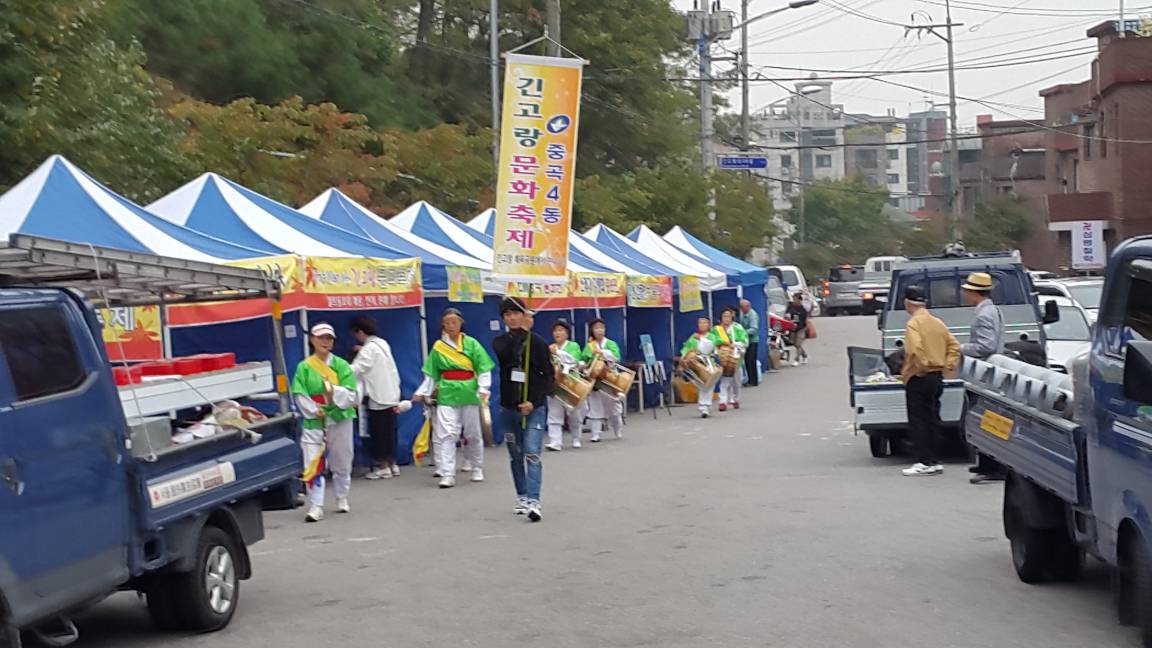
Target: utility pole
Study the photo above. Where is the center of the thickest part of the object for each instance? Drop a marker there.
(745, 118)
(704, 47)
(552, 22)
(494, 64)
(1121, 30)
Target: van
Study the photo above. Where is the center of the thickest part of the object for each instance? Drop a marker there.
(874, 285)
(841, 290)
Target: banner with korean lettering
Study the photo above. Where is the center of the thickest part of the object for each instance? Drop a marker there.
(1088, 250)
(650, 292)
(333, 283)
(465, 285)
(597, 290)
(537, 167)
(288, 267)
(690, 299)
(132, 334)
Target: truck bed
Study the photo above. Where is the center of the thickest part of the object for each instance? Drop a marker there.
(1017, 419)
(877, 398)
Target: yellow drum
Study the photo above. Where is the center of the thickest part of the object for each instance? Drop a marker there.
(616, 381)
(572, 389)
(700, 370)
(595, 369)
(729, 362)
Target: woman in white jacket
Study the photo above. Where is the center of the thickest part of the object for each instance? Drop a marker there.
(376, 371)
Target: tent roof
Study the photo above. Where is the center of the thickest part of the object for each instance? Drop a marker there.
(750, 274)
(710, 278)
(657, 247)
(215, 205)
(60, 201)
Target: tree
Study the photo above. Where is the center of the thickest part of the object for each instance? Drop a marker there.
(844, 223)
(66, 88)
(997, 224)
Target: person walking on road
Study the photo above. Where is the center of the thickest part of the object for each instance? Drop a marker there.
(730, 334)
(565, 357)
(527, 377)
(798, 313)
(603, 408)
(703, 343)
(750, 320)
(324, 389)
(929, 350)
(985, 339)
(376, 370)
(458, 370)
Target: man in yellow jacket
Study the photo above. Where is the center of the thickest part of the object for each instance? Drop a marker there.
(929, 350)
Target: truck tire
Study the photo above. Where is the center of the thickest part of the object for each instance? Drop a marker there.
(880, 445)
(1038, 554)
(162, 606)
(207, 596)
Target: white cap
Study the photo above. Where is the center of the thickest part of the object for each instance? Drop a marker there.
(705, 347)
(323, 329)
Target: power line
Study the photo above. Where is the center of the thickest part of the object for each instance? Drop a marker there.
(860, 14)
(1035, 11)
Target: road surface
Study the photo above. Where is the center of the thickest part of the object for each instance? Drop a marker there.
(769, 526)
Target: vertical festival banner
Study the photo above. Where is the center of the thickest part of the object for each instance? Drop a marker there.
(465, 285)
(537, 167)
(690, 299)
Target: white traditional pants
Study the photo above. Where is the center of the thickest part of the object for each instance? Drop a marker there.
(339, 462)
(730, 389)
(704, 399)
(558, 415)
(602, 409)
(451, 424)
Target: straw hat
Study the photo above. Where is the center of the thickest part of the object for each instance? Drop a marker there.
(979, 282)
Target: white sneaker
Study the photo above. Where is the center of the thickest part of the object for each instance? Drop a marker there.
(521, 507)
(478, 475)
(315, 514)
(575, 442)
(704, 414)
(395, 470)
(595, 438)
(554, 447)
(620, 433)
(342, 505)
(920, 470)
(795, 363)
(804, 360)
(447, 481)
(379, 473)
(467, 467)
(436, 473)
(534, 513)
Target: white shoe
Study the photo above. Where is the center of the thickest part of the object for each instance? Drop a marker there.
(379, 473)
(534, 513)
(395, 470)
(620, 434)
(920, 470)
(447, 481)
(521, 507)
(478, 475)
(315, 514)
(575, 442)
(705, 414)
(436, 473)
(467, 467)
(804, 360)
(595, 438)
(342, 505)
(795, 363)
(554, 447)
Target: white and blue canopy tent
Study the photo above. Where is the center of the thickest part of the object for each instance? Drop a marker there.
(219, 207)
(751, 280)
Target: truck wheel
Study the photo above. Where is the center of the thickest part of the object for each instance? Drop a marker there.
(880, 446)
(1030, 556)
(162, 605)
(208, 595)
(1067, 558)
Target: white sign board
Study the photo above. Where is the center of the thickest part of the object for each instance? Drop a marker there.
(1088, 245)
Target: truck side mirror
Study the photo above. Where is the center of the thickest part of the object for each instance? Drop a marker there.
(1138, 371)
(1051, 312)
(881, 314)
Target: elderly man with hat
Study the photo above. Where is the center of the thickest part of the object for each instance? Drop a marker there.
(459, 371)
(324, 389)
(929, 351)
(985, 339)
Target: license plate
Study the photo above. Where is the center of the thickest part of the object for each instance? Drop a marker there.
(997, 425)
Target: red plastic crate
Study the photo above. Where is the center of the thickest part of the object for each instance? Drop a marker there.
(158, 368)
(216, 361)
(188, 366)
(126, 375)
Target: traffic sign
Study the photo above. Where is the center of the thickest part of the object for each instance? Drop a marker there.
(741, 162)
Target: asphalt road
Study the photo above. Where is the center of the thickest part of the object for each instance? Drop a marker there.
(768, 526)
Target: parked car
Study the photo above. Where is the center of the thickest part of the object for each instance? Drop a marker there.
(1084, 291)
(794, 281)
(1068, 337)
(876, 281)
(841, 291)
(777, 296)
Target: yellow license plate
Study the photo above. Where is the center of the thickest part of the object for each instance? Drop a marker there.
(996, 425)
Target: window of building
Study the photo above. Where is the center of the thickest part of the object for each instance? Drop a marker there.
(41, 354)
(893, 154)
(786, 187)
(824, 161)
(1103, 136)
(824, 133)
(893, 178)
(867, 159)
(788, 136)
(785, 161)
(1089, 136)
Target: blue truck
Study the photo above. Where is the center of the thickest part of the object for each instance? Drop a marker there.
(90, 502)
(1077, 447)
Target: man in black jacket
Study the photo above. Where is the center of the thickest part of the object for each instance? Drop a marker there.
(526, 380)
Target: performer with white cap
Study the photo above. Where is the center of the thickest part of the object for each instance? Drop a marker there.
(703, 342)
(459, 370)
(324, 389)
(602, 408)
(565, 357)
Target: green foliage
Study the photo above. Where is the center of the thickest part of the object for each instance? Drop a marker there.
(844, 223)
(997, 224)
(66, 88)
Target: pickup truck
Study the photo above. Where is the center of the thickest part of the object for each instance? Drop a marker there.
(1077, 447)
(876, 393)
(86, 512)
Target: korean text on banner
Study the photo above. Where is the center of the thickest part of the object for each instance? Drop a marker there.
(650, 292)
(537, 167)
(1088, 245)
(132, 333)
(690, 299)
(353, 283)
(597, 285)
(465, 285)
(286, 266)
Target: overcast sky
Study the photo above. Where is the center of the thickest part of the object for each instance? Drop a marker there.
(827, 36)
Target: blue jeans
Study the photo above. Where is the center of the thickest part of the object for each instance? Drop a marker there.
(525, 444)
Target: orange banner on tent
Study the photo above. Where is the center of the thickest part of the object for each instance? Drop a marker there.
(332, 283)
(132, 334)
(650, 292)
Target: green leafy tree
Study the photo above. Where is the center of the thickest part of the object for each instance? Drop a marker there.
(997, 224)
(844, 221)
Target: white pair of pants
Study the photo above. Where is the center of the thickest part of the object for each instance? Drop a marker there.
(730, 389)
(339, 460)
(602, 409)
(558, 415)
(451, 424)
(704, 400)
